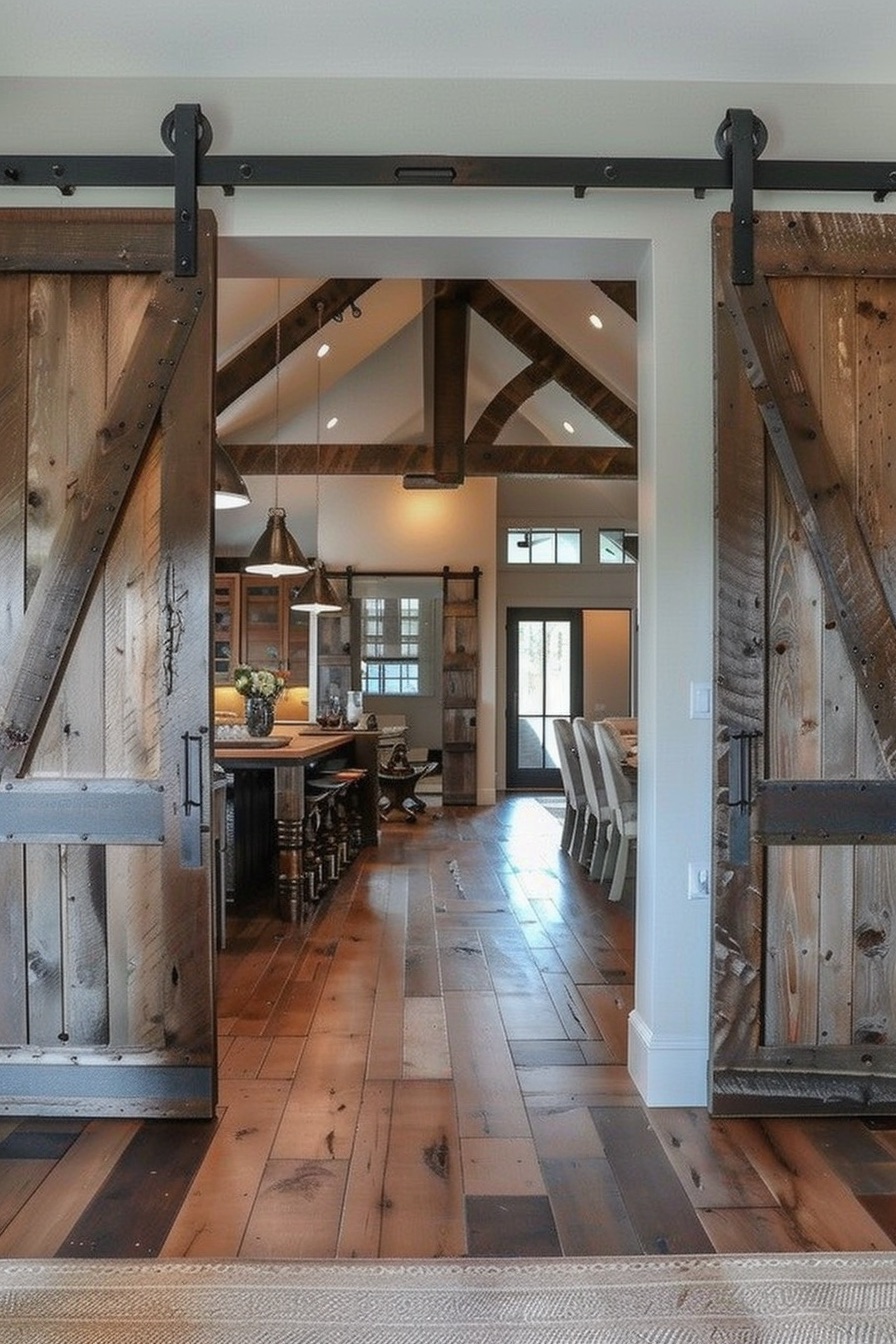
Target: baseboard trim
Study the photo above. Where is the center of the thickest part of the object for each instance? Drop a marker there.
(667, 1071)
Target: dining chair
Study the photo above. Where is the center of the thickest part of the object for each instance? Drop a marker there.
(603, 851)
(577, 836)
(622, 803)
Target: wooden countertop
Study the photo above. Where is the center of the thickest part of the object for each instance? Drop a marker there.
(303, 745)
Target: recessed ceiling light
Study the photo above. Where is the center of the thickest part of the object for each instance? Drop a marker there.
(323, 350)
(570, 429)
(595, 321)
(333, 422)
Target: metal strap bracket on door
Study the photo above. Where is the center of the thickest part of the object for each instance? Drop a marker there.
(743, 136)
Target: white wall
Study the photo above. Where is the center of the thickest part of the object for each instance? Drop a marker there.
(662, 236)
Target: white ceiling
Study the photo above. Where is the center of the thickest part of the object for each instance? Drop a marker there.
(800, 41)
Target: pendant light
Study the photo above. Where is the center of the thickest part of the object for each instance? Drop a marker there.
(231, 491)
(276, 552)
(317, 593)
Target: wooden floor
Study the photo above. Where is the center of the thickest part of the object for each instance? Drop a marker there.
(438, 1069)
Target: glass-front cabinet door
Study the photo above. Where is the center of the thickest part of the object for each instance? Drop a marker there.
(226, 649)
(263, 633)
(272, 634)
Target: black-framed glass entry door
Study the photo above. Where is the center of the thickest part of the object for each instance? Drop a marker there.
(544, 682)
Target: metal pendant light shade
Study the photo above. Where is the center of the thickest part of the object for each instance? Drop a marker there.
(276, 551)
(231, 491)
(317, 593)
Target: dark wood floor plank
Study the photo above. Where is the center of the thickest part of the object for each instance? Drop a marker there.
(660, 1211)
(511, 1226)
(531, 1054)
(132, 1213)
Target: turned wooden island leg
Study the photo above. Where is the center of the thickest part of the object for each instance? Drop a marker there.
(289, 812)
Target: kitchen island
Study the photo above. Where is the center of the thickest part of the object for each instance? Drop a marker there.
(309, 794)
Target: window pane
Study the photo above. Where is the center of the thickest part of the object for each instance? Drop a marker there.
(557, 660)
(569, 548)
(517, 547)
(530, 744)
(530, 680)
(617, 547)
(542, 547)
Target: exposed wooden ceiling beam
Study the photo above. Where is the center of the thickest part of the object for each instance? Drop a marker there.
(488, 301)
(400, 459)
(299, 324)
(624, 293)
(509, 400)
(446, 323)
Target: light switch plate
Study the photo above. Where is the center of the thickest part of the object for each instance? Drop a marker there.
(701, 699)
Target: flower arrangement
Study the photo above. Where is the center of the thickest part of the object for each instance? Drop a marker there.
(258, 681)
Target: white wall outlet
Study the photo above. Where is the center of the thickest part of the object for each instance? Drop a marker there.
(698, 881)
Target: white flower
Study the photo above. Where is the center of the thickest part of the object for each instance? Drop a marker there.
(258, 681)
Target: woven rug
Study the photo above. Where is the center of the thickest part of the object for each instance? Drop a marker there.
(772, 1299)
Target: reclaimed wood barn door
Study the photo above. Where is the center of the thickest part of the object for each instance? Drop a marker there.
(106, 961)
(804, 997)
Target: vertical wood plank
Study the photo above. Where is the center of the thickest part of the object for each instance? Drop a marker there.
(183, 679)
(488, 1094)
(212, 1219)
(740, 682)
(14, 310)
(795, 611)
(874, 996)
(843, 706)
(360, 1233)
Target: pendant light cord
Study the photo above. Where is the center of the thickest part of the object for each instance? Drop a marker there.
(320, 310)
(277, 404)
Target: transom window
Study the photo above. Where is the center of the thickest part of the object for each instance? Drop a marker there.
(615, 546)
(544, 546)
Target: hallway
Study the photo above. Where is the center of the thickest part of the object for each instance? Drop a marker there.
(439, 1070)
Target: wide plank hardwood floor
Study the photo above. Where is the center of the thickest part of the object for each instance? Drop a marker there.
(437, 1068)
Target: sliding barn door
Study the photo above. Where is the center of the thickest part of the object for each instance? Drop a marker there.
(804, 996)
(106, 1003)
(460, 686)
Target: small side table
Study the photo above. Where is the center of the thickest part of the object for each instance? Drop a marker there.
(399, 791)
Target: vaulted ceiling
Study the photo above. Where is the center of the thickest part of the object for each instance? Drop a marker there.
(452, 378)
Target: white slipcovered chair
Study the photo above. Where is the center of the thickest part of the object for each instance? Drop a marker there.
(577, 836)
(603, 851)
(622, 803)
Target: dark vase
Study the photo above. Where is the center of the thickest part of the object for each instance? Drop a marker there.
(259, 715)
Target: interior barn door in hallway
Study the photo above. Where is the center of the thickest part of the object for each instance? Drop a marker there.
(106, 1003)
(804, 999)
